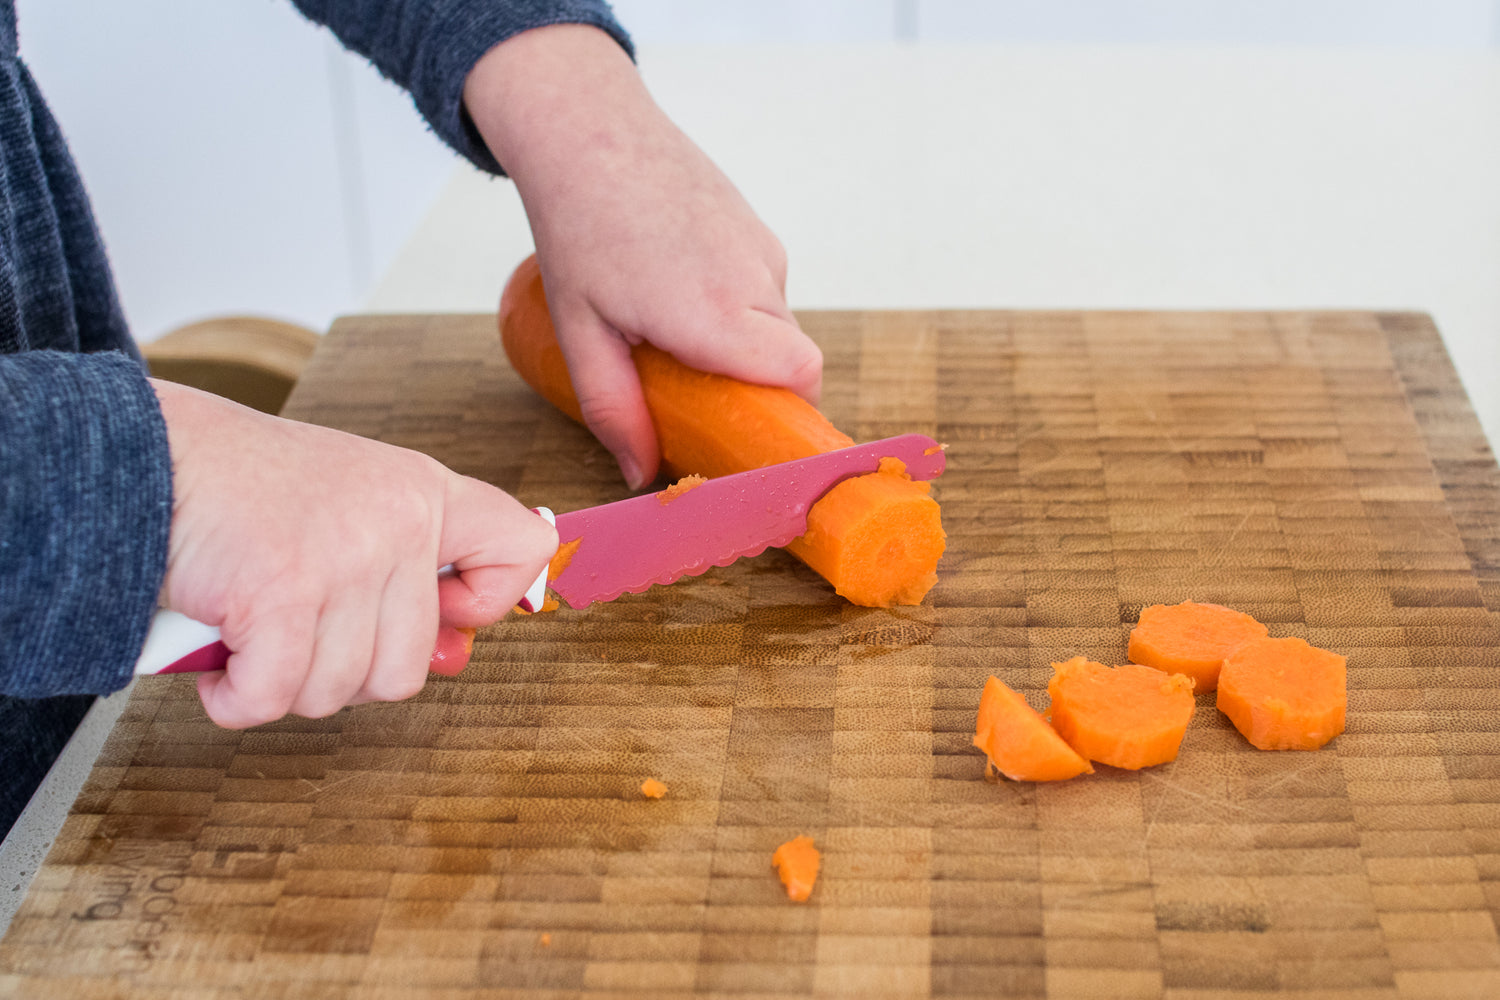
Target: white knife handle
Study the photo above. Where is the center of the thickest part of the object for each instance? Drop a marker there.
(536, 594)
(179, 644)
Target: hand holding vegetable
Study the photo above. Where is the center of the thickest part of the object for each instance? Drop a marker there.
(639, 236)
(316, 553)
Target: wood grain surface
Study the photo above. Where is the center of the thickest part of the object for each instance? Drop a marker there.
(1321, 471)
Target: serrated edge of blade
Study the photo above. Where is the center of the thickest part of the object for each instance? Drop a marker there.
(696, 569)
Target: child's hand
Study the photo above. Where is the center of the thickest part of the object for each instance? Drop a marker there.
(316, 553)
(639, 236)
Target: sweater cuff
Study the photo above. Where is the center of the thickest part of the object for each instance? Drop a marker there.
(85, 517)
(466, 33)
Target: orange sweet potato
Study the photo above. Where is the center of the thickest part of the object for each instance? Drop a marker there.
(796, 863)
(1191, 638)
(653, 789)
(1283, 694)
(559, 562)
(678, 488)
(876, 538)
(1018, 741)
(1129, 716)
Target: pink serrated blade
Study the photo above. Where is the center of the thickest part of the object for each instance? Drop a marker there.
(658, 538)
(628, 546)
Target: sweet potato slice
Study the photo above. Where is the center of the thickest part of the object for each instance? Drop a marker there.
(1283, 694)
(1018, 741)
(1191, 638)
(1129, 716)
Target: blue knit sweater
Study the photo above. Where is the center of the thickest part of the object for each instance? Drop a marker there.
(85, 472)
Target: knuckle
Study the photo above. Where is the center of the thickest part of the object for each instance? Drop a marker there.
(320, 707)
(601, 410)
(247, 716)
(325, 693)
(808, 369)
(225, 720)
(405, 512)
(776, 260)
(397, 688)
(724, 301)
(403, 498)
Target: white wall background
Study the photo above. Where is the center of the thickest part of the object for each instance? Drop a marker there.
(240, 161)
(238, 158)
(1456, 23)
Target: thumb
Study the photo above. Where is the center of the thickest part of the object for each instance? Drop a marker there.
(497, 549)
(609, 394)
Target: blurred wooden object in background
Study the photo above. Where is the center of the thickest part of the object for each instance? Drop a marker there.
(249, 359)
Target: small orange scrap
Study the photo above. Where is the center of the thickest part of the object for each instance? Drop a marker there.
(678, 488)
(796, 862)
(562, 557)
(653, 789)
(555, 566)
(893, 466)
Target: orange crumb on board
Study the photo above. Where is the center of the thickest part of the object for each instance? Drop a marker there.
(796, 862)
(1283, 694)
(1129, 716)
(1191, 638)
(1018, 742)
(545, 940)
(653, 789)
(678, 488)
(549, 603)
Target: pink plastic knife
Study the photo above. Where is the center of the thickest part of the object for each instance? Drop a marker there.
(631, 545)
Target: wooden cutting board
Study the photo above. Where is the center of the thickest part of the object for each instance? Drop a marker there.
(1320, 471)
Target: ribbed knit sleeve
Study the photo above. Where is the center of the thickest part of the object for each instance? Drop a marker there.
(85, 515)
(429, 46)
